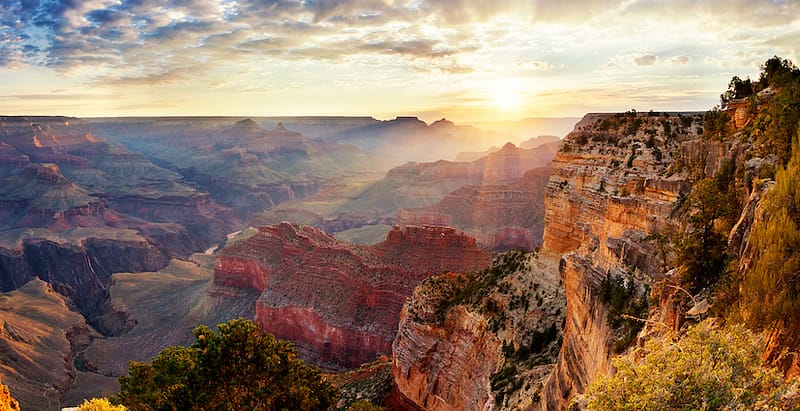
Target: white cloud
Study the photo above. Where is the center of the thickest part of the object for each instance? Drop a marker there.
(645, 60)
(680, 60)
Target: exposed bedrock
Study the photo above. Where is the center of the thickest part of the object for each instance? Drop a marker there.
(340, 302)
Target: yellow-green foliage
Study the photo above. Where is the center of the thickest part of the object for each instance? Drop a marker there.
(708, 368)
(365, 406)
(771, 290)
(99, 404)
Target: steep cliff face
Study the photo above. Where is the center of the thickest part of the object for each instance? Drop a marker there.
(612, 192)
(471, 342)
(617, 204)
(339, 302)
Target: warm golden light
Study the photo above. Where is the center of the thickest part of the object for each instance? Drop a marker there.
(506, 95)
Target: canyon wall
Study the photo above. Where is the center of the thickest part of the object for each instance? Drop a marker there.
(340, 302)
(613, 206)
(473, 342)
(607, 194)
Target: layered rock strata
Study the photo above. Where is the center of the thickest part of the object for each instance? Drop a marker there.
(340, 302)
(612, 207)
(482, 341)
(500, 217)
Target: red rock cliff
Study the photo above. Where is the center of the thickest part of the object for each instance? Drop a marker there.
(340, 302)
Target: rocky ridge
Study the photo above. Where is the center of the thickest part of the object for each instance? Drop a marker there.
(500, 217)
(615, 202)
(480, 341)
(413, 184)
(339, 302)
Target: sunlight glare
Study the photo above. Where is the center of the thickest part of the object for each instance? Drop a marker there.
(506, 94)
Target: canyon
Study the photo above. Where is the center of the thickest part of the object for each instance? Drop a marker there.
(339, 303)
(501, 217)
(93, 207)
(452, 325)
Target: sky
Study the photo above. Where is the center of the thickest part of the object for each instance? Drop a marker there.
(466, 60)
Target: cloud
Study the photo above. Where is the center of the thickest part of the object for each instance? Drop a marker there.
(533, 66)
(150, 42)
(680, 60)
(646, 60)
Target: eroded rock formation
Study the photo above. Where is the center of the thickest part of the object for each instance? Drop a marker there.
(480, 342)
(612, 205)
(500, 217)
(607, 193)
(340, 302)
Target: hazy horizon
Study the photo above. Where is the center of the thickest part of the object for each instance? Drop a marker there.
(464, 60)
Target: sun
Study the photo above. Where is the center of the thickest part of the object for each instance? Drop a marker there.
(506, 94)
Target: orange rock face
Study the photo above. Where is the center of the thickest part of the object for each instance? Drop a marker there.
(608, 193)
(457, 354)
(340, 302)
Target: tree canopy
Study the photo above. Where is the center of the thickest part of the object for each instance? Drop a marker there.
(238, 368)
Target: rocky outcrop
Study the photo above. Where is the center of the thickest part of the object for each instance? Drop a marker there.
(40, 344)
(612, 192)
(79, 271)
(472, 342)
(500, 217)
(339, 302)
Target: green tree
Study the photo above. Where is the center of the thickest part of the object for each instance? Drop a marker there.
(709, 368)
(777, 71)
(703, 252)
(737, 89)
(236, 369)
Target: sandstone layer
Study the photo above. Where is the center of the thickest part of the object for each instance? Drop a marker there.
(607, 193)
(480, 342)
(340, 302)
(613, 207)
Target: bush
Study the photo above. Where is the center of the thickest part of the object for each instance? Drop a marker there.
(716, 124)
(99, 404)
(363, 405)
(626, 305)
(709, 368)
(771, 290)
(239, 368)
